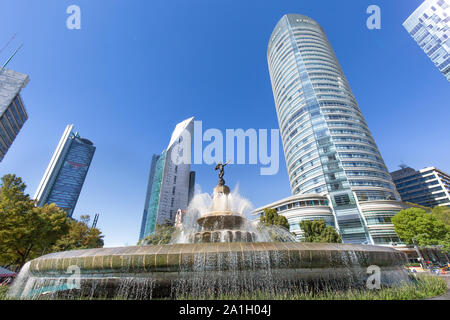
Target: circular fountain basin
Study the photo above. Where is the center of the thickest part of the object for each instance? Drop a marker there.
(221, 220)
(144, 272)
(222, 226)
(223, 236)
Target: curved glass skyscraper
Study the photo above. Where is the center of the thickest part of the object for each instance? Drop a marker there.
(327, 145)
(65, 175)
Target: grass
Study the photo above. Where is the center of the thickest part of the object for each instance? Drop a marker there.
(3, 291)
(427, 286)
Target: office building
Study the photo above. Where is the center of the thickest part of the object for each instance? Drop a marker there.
(66, 172)
(170, 184)
(428, 187)
(12, 110)
(301, 207)
(328, 147)
(429, 25)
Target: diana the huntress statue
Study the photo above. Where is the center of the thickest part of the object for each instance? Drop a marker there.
(221, 167)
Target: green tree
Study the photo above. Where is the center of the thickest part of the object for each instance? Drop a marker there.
(79, 236)
(274, 225)
(317, 231)
(26, 231)
(272, 218)
(425, 228)
(442, 214)
(162, 235)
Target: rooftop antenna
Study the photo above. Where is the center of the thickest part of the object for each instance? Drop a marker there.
(10, 58)
(10, 40)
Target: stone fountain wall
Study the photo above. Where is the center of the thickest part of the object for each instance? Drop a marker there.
(198, 269)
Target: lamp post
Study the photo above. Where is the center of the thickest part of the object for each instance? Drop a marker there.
(418, 253)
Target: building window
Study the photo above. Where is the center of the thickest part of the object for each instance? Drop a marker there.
(342, 200)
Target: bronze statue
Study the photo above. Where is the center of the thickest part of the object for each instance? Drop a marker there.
(221, 167)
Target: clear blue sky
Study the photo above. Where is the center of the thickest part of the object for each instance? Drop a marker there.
(136, 68)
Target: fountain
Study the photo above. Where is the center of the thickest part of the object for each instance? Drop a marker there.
(221, 224)
(223, 255)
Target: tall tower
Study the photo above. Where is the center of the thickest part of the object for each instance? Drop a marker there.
(66, 172)
(12, 110)
(327, 145)
(429, 25)
(170, 181)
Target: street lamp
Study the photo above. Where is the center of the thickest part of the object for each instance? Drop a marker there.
(418, 252)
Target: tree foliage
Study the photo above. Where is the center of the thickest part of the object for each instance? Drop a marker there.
(162, 235)
(442, 214)
(424, 227)
(317, 231)
(26, 231)
(79, 236)
(272, 218)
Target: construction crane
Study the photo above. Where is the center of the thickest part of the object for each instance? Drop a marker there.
(94, 223)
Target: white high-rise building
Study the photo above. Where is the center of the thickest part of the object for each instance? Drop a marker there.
(429, 25)
(170, 182)
(328, 147)
(428, 187)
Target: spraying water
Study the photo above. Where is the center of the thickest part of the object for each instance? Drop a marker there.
(218, 207)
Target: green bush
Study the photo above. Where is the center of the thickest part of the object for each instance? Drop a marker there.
(415, 265)
(3, 292)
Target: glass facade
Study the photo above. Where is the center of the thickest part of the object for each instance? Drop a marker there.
(148, 194)
(382, 229)
(299, 208)
(429, 25)
(327, 145)
(12, 110)
(155, 192)
(170, 185)
(428, 187)
(65, 176)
